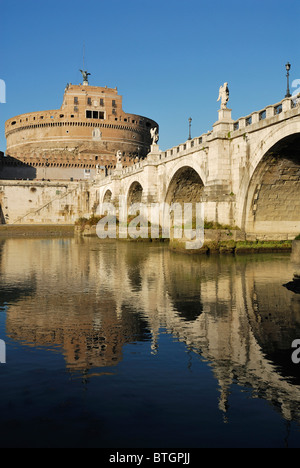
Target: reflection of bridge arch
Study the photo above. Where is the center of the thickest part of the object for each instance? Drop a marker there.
(229, 322)
(269, 195)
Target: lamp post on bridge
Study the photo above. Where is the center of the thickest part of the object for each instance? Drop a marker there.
(190, 128)
(288, 67)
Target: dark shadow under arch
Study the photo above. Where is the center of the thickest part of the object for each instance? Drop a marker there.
(135, 194)
(186, 186)
(273, 201)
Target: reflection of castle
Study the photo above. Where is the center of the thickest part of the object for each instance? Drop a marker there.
(77, 140)
(70, 312)
(237, 315)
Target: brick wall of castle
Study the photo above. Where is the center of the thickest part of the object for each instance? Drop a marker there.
(83, 135)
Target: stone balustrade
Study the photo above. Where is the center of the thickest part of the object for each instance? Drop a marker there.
(262, 117)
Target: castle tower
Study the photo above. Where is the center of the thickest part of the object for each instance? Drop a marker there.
(82, 136)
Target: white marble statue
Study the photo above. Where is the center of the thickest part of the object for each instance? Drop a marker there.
(224, 95)
(154, 135)
(119, 157)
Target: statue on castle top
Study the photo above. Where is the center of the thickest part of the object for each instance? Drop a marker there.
(154, 135)
(224, 95)
(85, 75)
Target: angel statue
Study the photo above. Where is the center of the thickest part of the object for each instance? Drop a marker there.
(119, 157)
(224, 95)
(85, 75)
(154, 135)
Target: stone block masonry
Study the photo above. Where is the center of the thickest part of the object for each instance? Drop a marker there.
(33, 202)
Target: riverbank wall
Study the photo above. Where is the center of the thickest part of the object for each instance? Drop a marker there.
(216, 241)
(41, 202)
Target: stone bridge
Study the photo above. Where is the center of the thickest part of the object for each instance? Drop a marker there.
(246, 172)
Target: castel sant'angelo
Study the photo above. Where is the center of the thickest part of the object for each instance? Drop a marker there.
(79, 140)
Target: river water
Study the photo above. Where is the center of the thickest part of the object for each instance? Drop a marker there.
(116, 344)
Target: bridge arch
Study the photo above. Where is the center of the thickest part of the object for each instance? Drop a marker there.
(184, 185)
(271, 199)
(2, 218)
(107, 197)
(134, 193)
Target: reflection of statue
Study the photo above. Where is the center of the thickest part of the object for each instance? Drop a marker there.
(224, 95)
(85, 75)
(154, 135)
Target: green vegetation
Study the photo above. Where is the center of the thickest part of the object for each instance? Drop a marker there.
(263, 246)
(298, 237)
(235, 247)
(216, 226)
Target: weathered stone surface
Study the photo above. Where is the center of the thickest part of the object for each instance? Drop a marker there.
(246, 172)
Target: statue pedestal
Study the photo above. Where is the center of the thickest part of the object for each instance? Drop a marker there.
(154, 149)
(225, 115)
(225, 122)
(154, 154)
(118, 170)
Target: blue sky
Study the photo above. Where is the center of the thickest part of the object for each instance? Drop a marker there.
(167, 58)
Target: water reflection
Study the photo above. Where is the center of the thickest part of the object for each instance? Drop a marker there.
(89, 299)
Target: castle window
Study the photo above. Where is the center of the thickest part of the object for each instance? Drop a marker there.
(114, 103)
(88, 114)
(101, 102)
(75, 109)
(75, 100)
(101, 115)
(89, 101)
(95, 114)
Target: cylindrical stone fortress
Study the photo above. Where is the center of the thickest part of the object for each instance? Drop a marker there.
(80, 138)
